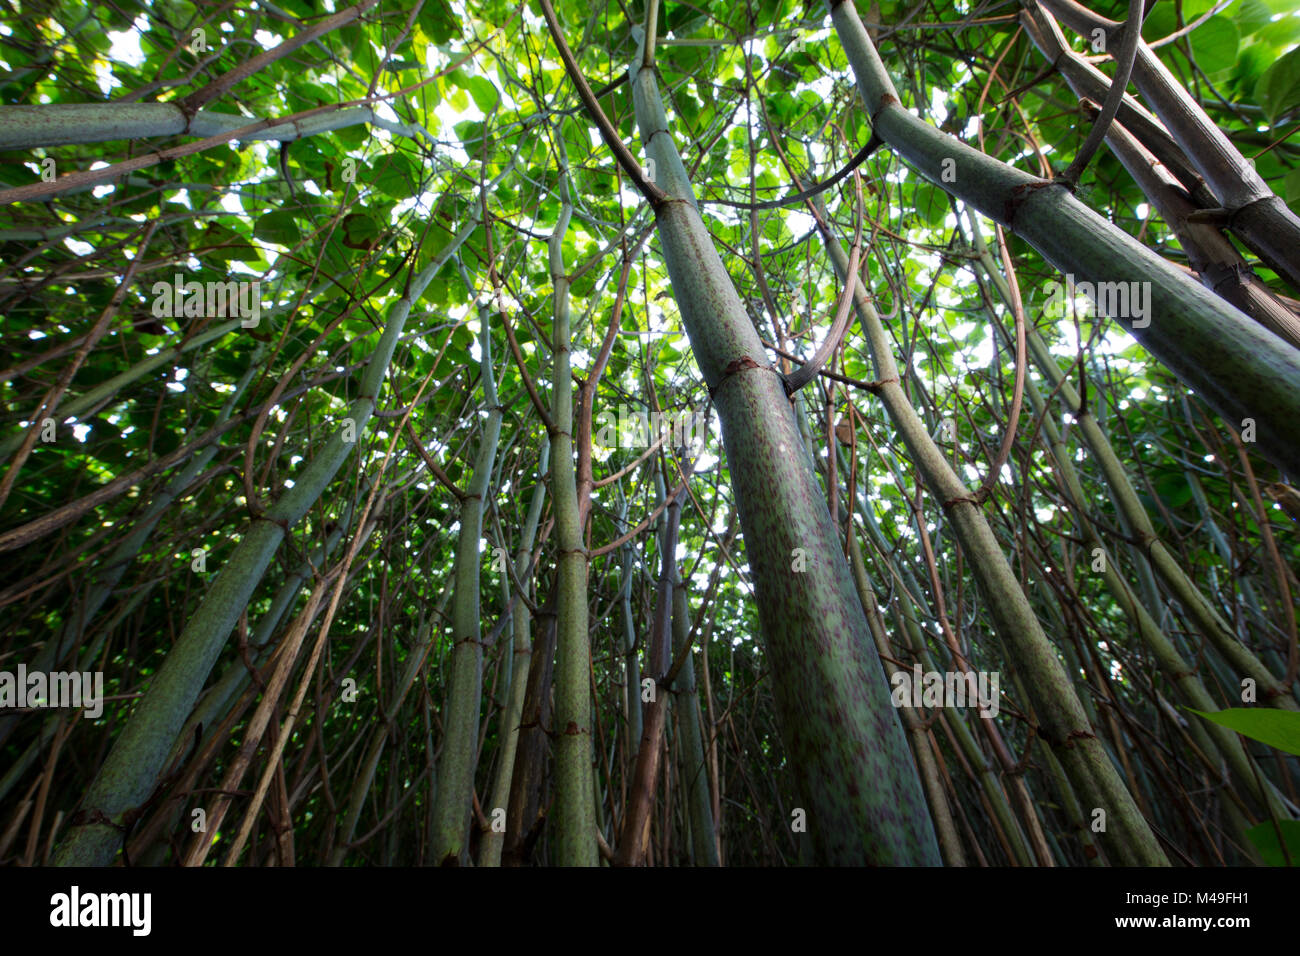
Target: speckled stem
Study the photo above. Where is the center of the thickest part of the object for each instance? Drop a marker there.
(861, 795)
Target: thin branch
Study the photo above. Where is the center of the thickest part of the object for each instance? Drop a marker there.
(653, 194)
(1123, 69)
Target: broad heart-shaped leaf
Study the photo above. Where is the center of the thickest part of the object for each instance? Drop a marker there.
(1277, 728)
(1214, 42)
(1265, 838)
(1252, 61)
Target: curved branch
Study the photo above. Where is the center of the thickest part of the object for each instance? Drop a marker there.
(1123, 70)
(653, 194)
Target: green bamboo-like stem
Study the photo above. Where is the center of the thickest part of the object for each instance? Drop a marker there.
(378, 739)
(853, 770)
(1137, 138)
(1017, 785)
(1088, 81)
(454, 802)
(1210, 253)
(634, 841)
(210, 713)
(1073, 811)
(522, 648)
(130, 771)
(60, 124)
(906, 616)
(1240, 368)
(574, 814)
(1176, 668)
(525, 811)
(945, 827)
(214, 702)
(1061, 718)
(1153, 551)
(686, 705)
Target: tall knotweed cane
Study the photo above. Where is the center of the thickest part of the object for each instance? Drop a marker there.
(1241, 369)
(130, 772)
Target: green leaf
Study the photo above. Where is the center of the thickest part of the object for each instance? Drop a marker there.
(1278, 89)
(1252, 62)
(360, 231)
(1214, 44)
(1173, 489)
(398, 175)
(468, 131)
(931, 203)
(278, 227)
(1292, 183)
(438, 21)
(484, 93)
(1281, 33)
(1277, 728)
(352, 137)
(1265, 838)
(1250, 16)
(227, 245)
